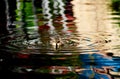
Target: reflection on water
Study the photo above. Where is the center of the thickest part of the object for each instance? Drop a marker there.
(66, 39)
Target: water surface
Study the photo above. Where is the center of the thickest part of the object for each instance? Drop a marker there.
(73, 36)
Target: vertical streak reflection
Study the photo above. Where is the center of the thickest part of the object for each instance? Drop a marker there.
(7, 14)
(55, 5)
(35, 16)
(64, 18)
(47, 14)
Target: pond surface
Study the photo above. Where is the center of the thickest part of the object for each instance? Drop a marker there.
(68, 39)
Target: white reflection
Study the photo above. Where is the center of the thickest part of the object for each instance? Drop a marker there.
(55, 5)
(64, 18)
(47, 14)
(58, 9)
(7, 15)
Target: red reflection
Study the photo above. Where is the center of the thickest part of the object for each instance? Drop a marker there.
(44, 27)
(69, 17)
(25, 56)
(60, 69)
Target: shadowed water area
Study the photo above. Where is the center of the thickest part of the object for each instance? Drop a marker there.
(60, 39)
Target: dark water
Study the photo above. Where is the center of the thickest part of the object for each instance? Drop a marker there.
(60, 39)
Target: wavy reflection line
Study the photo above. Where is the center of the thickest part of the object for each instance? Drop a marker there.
(18, 21)
(35, 16)
(48, 15)
(7, 15)
(64, 18)
(18, 9)
(55, 5)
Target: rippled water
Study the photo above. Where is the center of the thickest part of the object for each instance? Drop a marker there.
(71, 37)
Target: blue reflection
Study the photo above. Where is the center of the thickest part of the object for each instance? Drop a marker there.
(89, 74)
(97, 65)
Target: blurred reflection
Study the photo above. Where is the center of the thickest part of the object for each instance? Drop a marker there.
(65, 39)
(54, 31)
(98, 65)
(47, 14)
(99, 38)
(100, 31)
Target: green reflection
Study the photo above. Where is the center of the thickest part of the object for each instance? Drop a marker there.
(116, 5)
